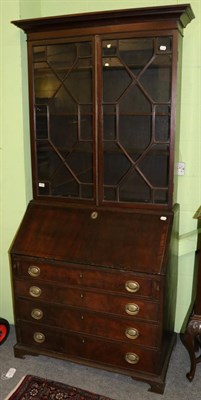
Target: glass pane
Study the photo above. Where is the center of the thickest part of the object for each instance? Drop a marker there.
(51, 170)
(85, 127)
(78, 82)
(164, 44)
(48, 161)
(136, 52)
(80, 162)
(39, 53)
(46, 82)
(134, 101)
(162, 109)
(63, 85)
(61, 58)
(156, 79)
(135, 134)
(134, 189)
(110, 47)
(161, 196)
(154, 166)
(109, 109)
(113, 72)
(162, 123)
(110, 193)
(109, 127)
(62, 102)
(86, 122)
(65, 137)
(41, 116)
(63, 183)
(44, 188)
(86, 191)
(162, 128)
(84, 49)
(116, 164)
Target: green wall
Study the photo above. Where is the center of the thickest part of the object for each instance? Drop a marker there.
(15, 182)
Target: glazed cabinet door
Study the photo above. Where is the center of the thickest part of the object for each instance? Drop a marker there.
(62, 81)
(136, 106)
(104, 119)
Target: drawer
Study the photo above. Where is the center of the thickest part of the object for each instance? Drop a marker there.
(86, 348)
(88, 299)
(102, 325)
(76, 275)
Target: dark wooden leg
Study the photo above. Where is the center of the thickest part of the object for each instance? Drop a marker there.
(191, 340)
(157, 388)
(157, 385)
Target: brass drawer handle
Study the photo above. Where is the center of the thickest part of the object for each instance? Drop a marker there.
(35, 291)
(132, 333)
(39, 337)
(37, 313)
(132, 358)
(33, 270)
(132, 309)
(132, 286)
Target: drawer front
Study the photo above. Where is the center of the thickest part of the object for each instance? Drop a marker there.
(91, 300)
(102, 325)
(76, 275)
(88, 348)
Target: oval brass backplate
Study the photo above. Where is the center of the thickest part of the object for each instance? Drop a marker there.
(132, 308)
(35, 291)
(39, 337)
(132, 333)
(36, 313)
(132, 286)
(132, 358)
(33, 270)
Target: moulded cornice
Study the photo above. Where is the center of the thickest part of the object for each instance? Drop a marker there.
(182, 14)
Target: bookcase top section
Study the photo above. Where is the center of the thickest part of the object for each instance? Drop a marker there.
(181, 14)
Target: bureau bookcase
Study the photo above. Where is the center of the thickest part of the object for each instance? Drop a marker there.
(94, 262)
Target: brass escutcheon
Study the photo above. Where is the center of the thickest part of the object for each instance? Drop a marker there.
(132, 333)
(94, 215)
(33, 270)
(35, 291)
(132, 286)
(39, 337)
(132, 308)
(132, 358)
(37, 313)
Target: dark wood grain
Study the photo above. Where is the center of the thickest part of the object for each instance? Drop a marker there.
(94, 261)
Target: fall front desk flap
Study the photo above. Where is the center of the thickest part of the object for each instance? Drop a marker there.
(108, 238)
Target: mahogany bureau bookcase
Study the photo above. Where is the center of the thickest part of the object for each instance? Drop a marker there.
(94, 262)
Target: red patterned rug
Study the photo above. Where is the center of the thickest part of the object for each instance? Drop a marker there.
(35, 388)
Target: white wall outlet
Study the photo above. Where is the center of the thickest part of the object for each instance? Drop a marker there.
(180, 168)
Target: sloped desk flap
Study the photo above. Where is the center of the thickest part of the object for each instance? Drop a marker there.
(96, 237)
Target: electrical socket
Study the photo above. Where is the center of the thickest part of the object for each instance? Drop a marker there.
(180, 168)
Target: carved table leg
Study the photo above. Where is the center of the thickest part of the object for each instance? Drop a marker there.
(192, 341)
